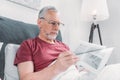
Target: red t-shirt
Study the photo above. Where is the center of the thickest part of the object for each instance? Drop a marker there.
(40, 52)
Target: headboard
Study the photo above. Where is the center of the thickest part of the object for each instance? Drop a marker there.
(12, 31)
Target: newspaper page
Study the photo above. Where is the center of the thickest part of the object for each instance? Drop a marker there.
(87, 47)
(92, 57)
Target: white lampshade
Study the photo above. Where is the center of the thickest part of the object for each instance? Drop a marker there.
(96, 8)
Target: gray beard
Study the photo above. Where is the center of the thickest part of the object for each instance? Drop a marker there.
(51, 37)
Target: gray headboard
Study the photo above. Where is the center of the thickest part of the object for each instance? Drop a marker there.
(12, 31)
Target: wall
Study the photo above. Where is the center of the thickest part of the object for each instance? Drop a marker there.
(111, 30)
(17, 12)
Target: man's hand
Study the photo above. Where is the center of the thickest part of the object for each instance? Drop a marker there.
(65, 60)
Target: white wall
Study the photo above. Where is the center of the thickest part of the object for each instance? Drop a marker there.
(111, 30)
(74, 30)
(17, 12)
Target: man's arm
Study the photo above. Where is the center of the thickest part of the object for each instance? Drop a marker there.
(26, 72)
(65, 59)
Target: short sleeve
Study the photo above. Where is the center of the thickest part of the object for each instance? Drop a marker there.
(23, 54)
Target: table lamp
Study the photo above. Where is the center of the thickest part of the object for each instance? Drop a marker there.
(94, 11)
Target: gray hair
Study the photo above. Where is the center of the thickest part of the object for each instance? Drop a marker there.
(44, 10)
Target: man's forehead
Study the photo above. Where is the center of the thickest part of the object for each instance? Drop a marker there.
(52, 13)
(52, 16)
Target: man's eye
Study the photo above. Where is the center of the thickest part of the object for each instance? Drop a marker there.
(53, 23)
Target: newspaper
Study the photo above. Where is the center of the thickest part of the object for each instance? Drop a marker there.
(92, 57)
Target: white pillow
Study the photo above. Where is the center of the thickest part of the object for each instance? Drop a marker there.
(1, 43)
(110, 72)
(10, 72)
(0, 49)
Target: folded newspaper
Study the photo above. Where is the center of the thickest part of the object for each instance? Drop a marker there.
(93, 57)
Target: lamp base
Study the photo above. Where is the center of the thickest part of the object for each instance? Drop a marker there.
(93, 27)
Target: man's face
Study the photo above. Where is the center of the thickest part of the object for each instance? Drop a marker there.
(49, 25)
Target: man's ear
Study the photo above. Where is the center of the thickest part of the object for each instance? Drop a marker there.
(39, 22)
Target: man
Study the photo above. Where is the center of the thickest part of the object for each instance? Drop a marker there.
(35, 56)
